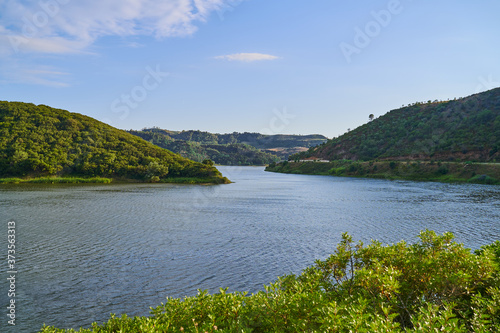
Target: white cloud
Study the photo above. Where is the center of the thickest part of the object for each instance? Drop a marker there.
(30, 27)
(247, 57)
(69, 26)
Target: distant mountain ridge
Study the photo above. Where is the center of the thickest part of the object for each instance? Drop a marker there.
(257, 140)
(230, 149)
(465, 129)
(40, 141)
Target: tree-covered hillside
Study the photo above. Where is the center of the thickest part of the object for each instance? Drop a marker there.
(230, 149)
(257, 140)
(466, 129)
(225, 154)
(38, 141)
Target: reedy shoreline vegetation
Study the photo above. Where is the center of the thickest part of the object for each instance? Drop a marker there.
(433, 285)
(101, 180)
(55, 180)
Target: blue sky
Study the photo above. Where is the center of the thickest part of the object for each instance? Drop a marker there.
(296, 67)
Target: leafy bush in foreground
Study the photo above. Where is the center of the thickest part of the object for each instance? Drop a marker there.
(434, 285)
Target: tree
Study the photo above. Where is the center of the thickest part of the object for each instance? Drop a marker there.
(19, 156)
(371, 116)
(155, 169)
(208, 162)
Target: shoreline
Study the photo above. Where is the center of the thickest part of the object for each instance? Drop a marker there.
(104, 180)
(439, 171)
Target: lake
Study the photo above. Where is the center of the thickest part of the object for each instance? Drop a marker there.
(85, 251)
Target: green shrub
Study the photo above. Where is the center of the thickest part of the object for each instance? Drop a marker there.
(337, 171)
(434, 285)
(443, 170)
(353, 168)
(483, 179)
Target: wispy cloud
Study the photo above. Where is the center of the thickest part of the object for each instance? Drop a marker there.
(71, 26)
(15, 71)
(247, 57)
(30, 27)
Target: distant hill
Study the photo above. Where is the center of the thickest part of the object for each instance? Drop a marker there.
(466, 129)
(452, 141)
(230, 149)
(37, 141)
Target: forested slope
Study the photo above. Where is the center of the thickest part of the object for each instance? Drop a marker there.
(466, 129)
(40, 141)
(224, 154)
(230, 149)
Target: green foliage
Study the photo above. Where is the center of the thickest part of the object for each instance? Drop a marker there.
(450, 172)
(484, 179)
(257, 140)
(434, 285)
(39, 141)
(229, 149)
(442, 170)
(493, 248)
(55, 180)
(462, 130)
(208, 162)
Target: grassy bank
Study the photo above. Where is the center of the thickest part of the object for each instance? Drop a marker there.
(460, 172)
(186, 180)
(56, 180)
(434, 285)
(101, 180)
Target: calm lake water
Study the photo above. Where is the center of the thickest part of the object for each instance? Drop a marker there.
(85, 251)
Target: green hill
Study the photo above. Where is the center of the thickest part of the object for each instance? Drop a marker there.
(455, 140)
(40, 141)
(225, 154)
(230, 149)
(257, 140)
(467, 129)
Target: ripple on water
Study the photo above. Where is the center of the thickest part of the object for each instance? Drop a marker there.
(87, 251)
